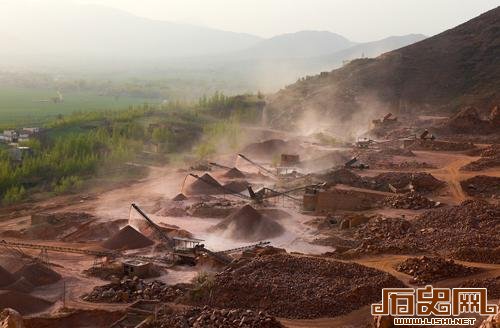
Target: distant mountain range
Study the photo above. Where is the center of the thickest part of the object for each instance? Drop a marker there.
(440, 74)
(63, 36)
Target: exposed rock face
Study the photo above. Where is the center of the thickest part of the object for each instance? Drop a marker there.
(10, 318)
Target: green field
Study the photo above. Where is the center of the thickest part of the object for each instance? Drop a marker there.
(18, 105)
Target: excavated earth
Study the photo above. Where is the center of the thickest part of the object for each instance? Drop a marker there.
(482, 186)
(425, 270)
(296, 287)
(472, 224)
(208, 317)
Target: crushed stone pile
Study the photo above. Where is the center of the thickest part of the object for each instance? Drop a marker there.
(404, 165)
(411, 200)
(6, 278)
(247, 224)
(234, 173)
(422, 182)
(491, 284)
(397, 152)
(467, 120)
(23, 303)
(179, 197)
(21, 285)
(214, 208)
(209, 317)
(207, 185)
(477, 254)
(425, 270)
(346, 177)
(131, 290)
(38, 274)
(237, 185)
(296, 287)
(94, 231)
(490, 158)
(482, 186)
(441, 145)
(127, 238)
(472, 224)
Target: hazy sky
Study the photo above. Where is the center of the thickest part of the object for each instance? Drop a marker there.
(359, 20)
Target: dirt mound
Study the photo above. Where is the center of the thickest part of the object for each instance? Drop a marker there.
(482, 186)
(491, 284)
(6, 278)
(207, 185)
(247, 224)
(131, 290)
(490, 158)
(404, 165)
(421, 181)
(425, 270)
(296, 287)
(209, 317)
(38, 274)
(441, 145)
(237, 185)
(445, 230)
(234, 173)
(397, 152)
(21, 285)
(95, 231)
(411, 200)
(22, 303)
(127, 238)
(346, 177)
(466, 120)
(179, 197)
(477, 254)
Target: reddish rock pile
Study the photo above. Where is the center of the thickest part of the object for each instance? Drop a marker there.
(422, 182)
(405, 165)
(397, 152)
(234, 173)
(237, 186)
(127, 238)
(477, 254)
(179, 197)
(208, 317)
(441, 145)
(38, 274)
(490, 158)
(491, 284)
(471, 224)
(6, 278)
(22, 303)
(482, 186)
(206, 185)
(346, 177)
(425, 270)
(411, 200)
(247, 224)
(131, 290)
(296, 287)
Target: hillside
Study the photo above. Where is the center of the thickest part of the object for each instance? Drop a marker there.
(440, 74)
